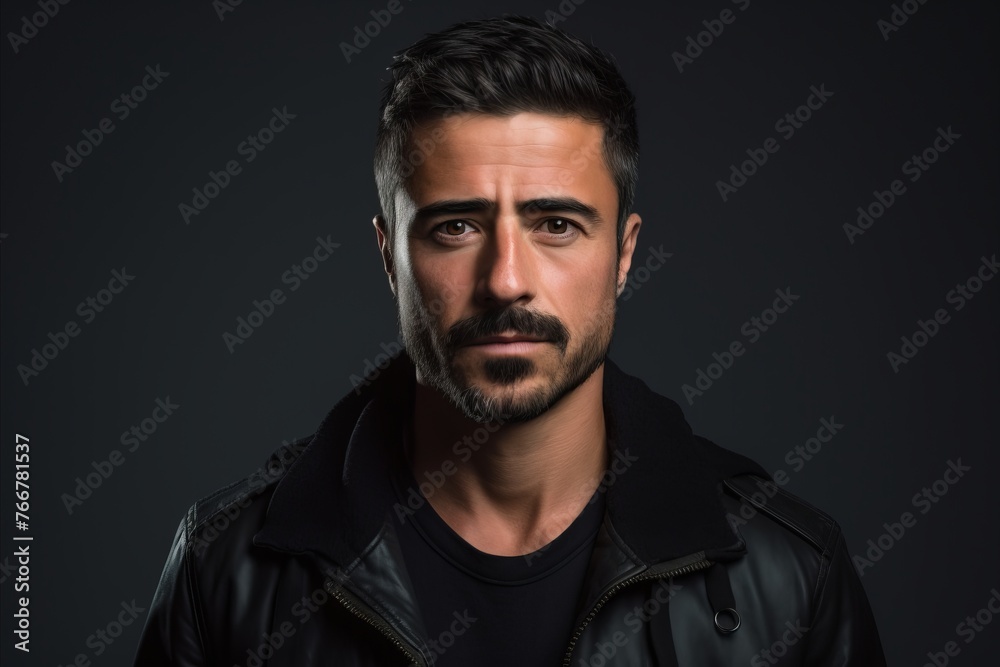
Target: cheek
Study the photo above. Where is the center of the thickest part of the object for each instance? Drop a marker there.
(594, 280)
(587, 296)
(439, 288)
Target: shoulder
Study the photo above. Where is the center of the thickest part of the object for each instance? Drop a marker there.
(797, 566)
(748, 492)
(212, 562)
(753, 494)
(785, 537)
(224, 522)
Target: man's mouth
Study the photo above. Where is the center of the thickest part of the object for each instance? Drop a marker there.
(506, 339)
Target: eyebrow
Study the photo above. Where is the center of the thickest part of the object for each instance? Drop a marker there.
(568, 204)
(481, 204)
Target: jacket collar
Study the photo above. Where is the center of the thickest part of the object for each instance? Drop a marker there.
(336, 497)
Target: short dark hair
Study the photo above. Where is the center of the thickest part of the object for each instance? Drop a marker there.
(503, 66)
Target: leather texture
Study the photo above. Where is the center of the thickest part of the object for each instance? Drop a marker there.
(299, 563)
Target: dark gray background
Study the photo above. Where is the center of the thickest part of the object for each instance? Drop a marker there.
(162, 336)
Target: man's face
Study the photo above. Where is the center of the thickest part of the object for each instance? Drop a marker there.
(504, 260)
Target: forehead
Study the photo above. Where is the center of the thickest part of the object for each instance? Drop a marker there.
(534, 153)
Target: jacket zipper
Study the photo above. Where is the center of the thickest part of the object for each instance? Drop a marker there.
(699, 562)
(360, 609)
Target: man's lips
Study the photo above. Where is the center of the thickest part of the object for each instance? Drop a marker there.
(516, 338)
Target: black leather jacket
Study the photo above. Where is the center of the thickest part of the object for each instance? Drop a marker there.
(299, 563)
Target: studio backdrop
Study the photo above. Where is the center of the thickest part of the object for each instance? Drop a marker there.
(191, 276)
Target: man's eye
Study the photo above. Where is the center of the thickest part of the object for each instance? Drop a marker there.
(453, 227)
(557, 225)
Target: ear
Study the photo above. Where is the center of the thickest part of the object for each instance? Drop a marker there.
(628, 248)
(384, 247)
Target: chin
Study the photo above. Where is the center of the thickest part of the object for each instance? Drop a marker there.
(502, 406)
(484, 399)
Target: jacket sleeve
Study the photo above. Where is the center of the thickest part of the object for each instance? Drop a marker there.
(173, 635)
(843, 632)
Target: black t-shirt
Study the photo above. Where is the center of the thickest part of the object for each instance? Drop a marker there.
(485, 610)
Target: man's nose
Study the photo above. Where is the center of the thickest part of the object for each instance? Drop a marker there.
(507, 266)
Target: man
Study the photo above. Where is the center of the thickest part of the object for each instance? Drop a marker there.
(502, 493)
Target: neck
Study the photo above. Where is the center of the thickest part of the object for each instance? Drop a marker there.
(510, 489)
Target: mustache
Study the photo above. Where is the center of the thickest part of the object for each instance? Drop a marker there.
(519, 320)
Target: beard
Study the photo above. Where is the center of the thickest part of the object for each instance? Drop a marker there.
(434, 355)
